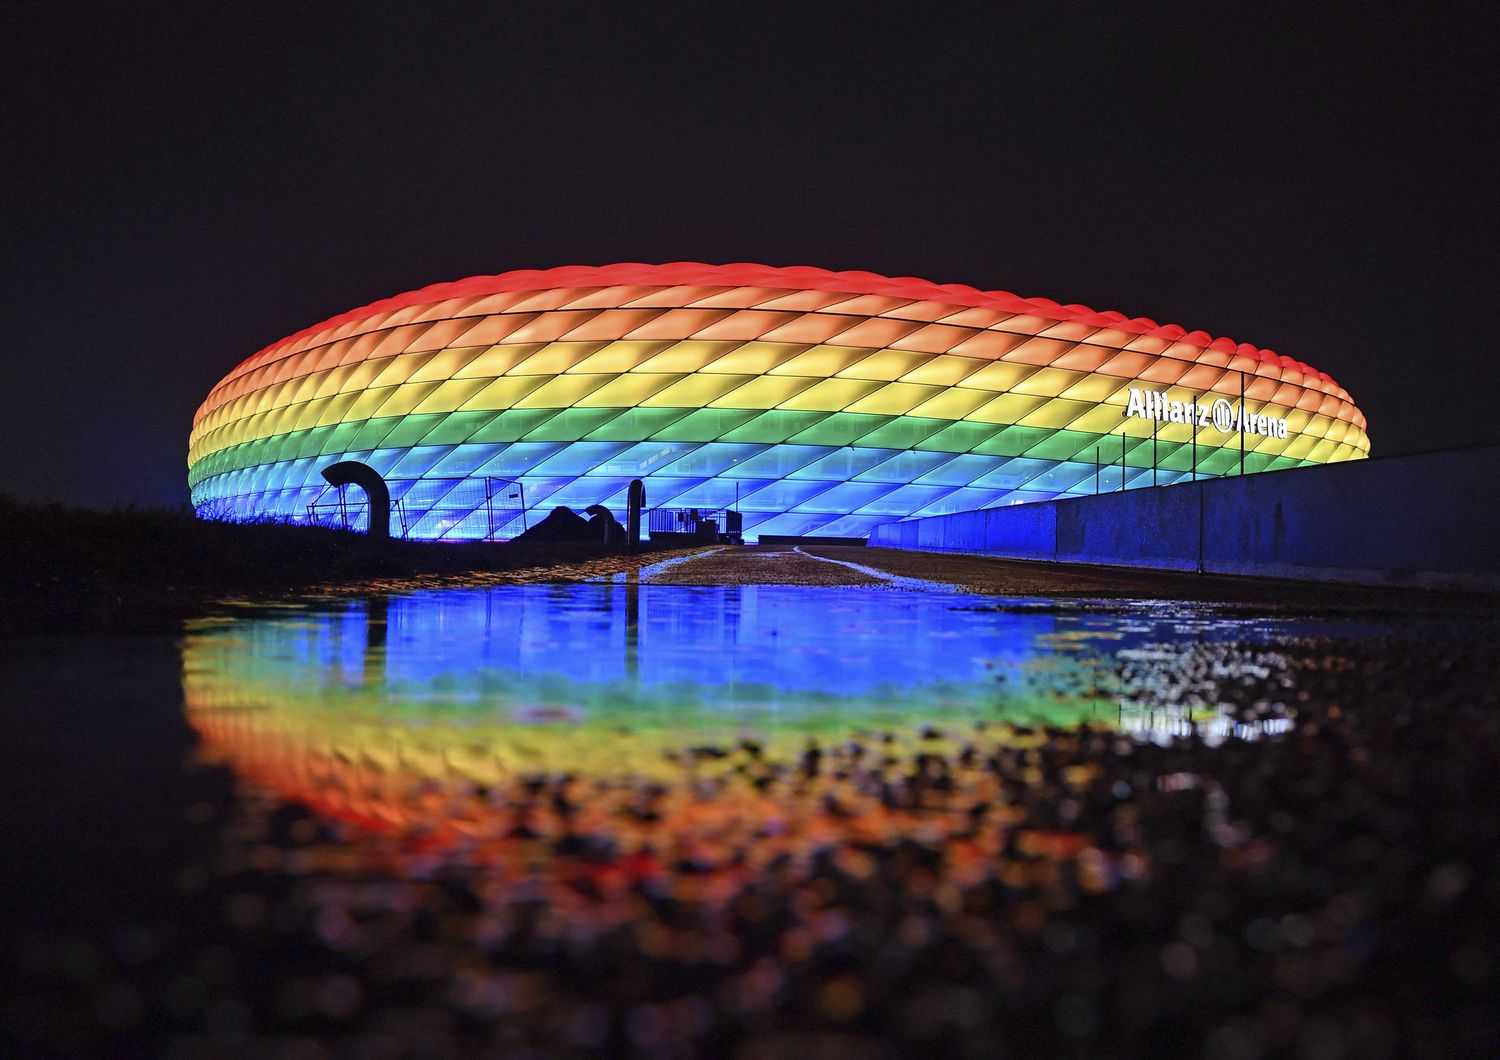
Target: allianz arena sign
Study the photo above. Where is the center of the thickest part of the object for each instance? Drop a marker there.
(1223, 416)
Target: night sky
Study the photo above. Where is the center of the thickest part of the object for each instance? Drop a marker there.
(185, 184)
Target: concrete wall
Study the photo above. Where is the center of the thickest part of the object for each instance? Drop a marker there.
(1431, 519)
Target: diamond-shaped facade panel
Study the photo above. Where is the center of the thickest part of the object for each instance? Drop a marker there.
(816, 402)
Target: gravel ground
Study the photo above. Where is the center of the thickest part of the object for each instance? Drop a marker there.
(989, 576)
(594, 569)
(756, 566)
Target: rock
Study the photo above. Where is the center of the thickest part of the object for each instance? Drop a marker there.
(562, 526)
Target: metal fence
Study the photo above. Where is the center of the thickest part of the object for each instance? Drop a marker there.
(488, 509)
(710, 523)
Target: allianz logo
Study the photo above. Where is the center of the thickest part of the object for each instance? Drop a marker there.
(1221, 415)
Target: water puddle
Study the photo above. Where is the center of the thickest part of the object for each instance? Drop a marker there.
(628, 681)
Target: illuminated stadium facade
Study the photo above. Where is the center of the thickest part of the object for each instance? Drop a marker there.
(816, 402)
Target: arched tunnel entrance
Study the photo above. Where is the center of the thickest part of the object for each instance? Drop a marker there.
(354, 473)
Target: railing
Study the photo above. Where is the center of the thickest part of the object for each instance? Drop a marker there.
(707, 523)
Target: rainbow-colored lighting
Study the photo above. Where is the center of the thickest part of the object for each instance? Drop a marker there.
(817, 402)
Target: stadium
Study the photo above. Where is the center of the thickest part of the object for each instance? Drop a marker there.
(811, 402)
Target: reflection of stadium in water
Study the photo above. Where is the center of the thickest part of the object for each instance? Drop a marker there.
(616, 680)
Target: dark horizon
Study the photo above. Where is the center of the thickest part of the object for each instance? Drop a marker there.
(189, 185)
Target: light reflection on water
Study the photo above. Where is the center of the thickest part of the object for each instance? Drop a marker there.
(764, 808)
(504, 731)
(610, 678)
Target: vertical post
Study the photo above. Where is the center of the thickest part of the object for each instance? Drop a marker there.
(1096, 471)
(1242, 423)
(1155, 423)
(1193, 445)
(635, 501)
(1122, 459)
